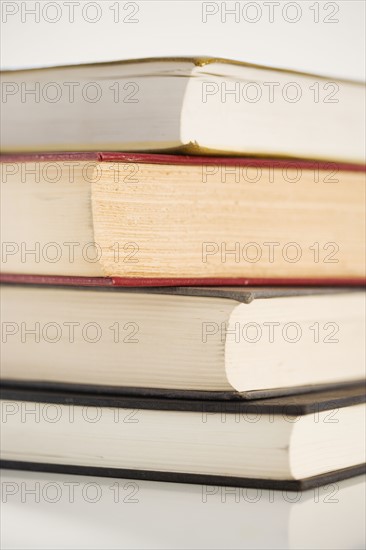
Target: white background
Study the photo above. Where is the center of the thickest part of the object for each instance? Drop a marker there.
(37, 512)
(176, 28)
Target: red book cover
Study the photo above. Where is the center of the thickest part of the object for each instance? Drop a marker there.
(142, 282)
(157, 158)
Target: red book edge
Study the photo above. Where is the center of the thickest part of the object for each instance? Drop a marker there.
(65, 280)
(157, 158)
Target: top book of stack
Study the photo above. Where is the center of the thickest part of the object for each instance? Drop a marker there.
(190, 105)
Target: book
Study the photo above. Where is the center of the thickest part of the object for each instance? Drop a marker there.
(203, 343)
(291, 443)
(194, 105)
(143, 220)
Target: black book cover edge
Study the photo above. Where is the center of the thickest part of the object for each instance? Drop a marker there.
(296, 405)
(244, 294)
(120, 392)
(176, 477)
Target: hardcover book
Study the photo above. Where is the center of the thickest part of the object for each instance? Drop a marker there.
(195, 105)
(289, 443)
(140, 220)
(204, 343)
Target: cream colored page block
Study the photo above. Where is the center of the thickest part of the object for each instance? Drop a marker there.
(111, 338)
(184, 221)
(169, 441)
(108, 106)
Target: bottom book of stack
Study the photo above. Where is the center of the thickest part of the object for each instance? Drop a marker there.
(292, 442)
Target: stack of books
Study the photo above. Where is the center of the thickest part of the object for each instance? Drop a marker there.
(183, 262)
